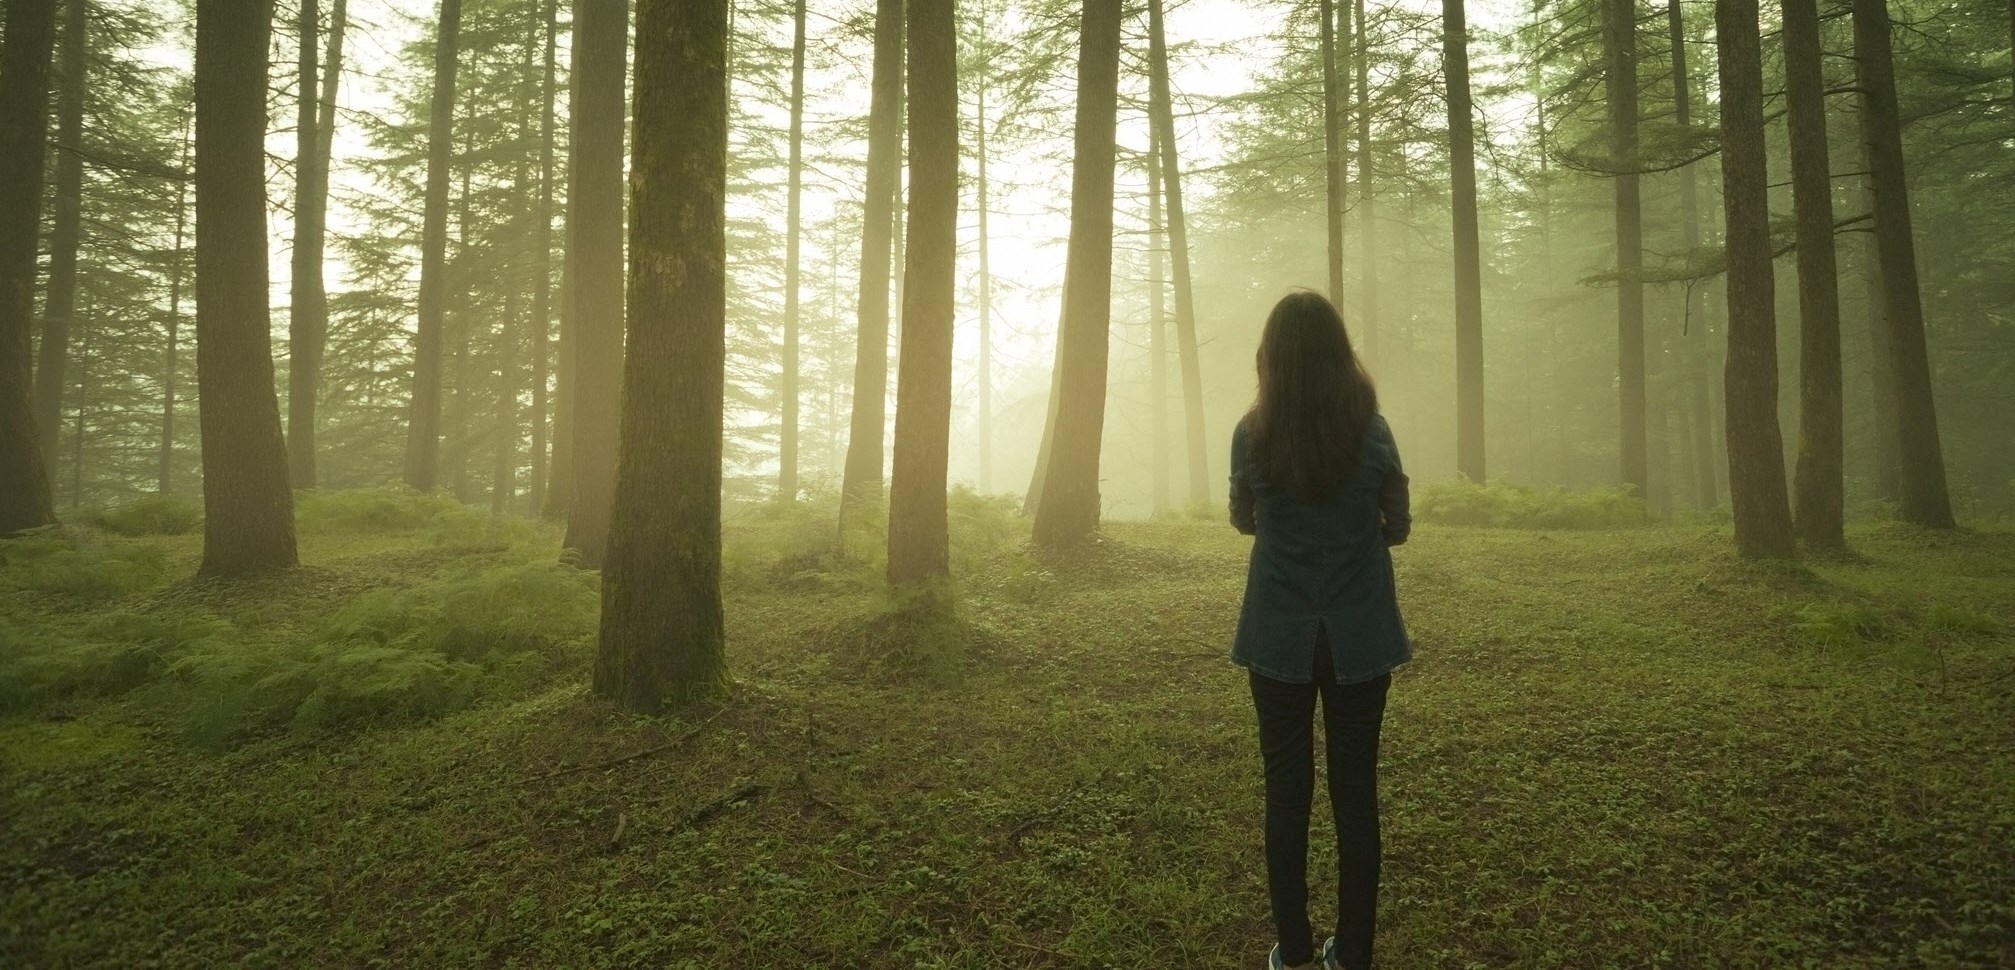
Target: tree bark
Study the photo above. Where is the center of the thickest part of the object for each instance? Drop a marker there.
(1367, 220)
(308, 312)
(1881, 363)
(661, 642)
(986, 362)
(787, 391)
(1755, 446)
(1157, 328)
(1818, 478)
(59, 303)
(25, 53)
(1161, 106)
(1069, 510)
(248, 508)
(1332, 153)
(1922, 476)
(919, 552)
(542, 266)
(1469, 451)
(559, 502)
(598, 271)
(1620, 37)
(1699, 356)
(423, 430)
(171, 361)
(861, 480)
(462, 322)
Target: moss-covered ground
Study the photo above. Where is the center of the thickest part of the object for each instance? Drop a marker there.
(1621, 748)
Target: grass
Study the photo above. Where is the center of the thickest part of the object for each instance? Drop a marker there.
(1616, 748)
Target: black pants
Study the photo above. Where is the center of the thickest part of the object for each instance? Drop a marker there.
(1351, 714)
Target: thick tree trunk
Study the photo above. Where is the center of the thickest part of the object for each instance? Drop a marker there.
(542, 267)
(662, 631)
(172, 354)
(1069, 510)
(861, 480)
(1818, 478)
(1033, 497)
(1157, 328)
(1367, 219)
(1162, 108)
(59, 303)
(1755, 446)
(1699, 356)
(919, 538)
(1332, 153)
(1620, 38)
(308, 312)
(248, 508)
(423, 430)
(787, 390)
(1468, 255)
(597, 240)
(25, 52)
(1925, 501)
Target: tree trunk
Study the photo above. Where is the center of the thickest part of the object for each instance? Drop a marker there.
(1033, 497)
(308, 313)
(1925, 501)
(1755, 446)
(25, 52)
(461, 272)
(542, 266)
(559, 502)
(862, 479)
(1818, 478)
(598, 270)
(1157, 327)
(81, 435)
(504, 474)
(787, 391)
(1620, 37)
(661, 644)
(1468, 254)
(1699, 357)
(59, 303)
(1069, 510)
(919, 541)
(1881, 363)
(986, 362)
(423, 430)
(248, 508)
(172, 356)
(1162, 108)
(1332, 154)
(1367, 222)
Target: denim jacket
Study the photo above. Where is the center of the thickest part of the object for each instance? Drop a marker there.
(1322, 565)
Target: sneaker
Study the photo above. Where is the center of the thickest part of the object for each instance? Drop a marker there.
(1273, 961)
(1329, 960)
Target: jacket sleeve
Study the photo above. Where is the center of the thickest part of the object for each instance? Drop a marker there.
(1244, 517)
(1394, 503)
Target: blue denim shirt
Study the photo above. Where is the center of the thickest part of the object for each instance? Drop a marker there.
(1322, 565)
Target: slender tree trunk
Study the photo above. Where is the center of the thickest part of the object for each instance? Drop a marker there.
(986, 363)
(172, 357)
(1755, 446)
(1157, 327)
(1620, 36)
(504, 474)
(248, 508)
(662, 636)
(1033, 497)
(1468, 254)
(1881, 363)
(1332, 153)
(787, 392)
(598, 271)
(1367, 220)
(919, 550)
(423, 432)
(25, 53)
(1069, 510)
(1706, 491)
(542, 265)
(308, 312)
(1818, 479)
(60, 301)
(81, 434)
(1925, 501)
(1162, 107)
(461, 274)
(559, 502)
(861, 480)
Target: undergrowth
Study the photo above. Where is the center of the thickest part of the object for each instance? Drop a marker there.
(1501, 505)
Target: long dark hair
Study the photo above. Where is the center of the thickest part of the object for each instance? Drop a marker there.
(1315, 398)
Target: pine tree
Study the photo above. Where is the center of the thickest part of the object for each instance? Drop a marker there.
(787, 389)
(862, 479)
(1620, 39)
(1819, 471)
(1161, 109)
(1468, 251)
(423, 434)
(25, 52)
(59, 306)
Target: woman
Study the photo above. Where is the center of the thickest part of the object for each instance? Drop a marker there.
(1315, 477)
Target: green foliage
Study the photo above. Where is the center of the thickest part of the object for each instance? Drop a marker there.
(390, 508)
(152, 515)
(982, 526)
(1504, 506)
(1841, 625)
(79, 567)
(105, 657)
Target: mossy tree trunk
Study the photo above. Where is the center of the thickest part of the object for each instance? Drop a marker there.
(423, 430)
(1755, 445)
(308, 310)
(1069, 510)
(25, 53)
(661, 644)
(1818, 477)
(919, 551)
(248, 507)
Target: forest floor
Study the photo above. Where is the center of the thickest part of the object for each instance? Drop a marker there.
(1622, 748)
